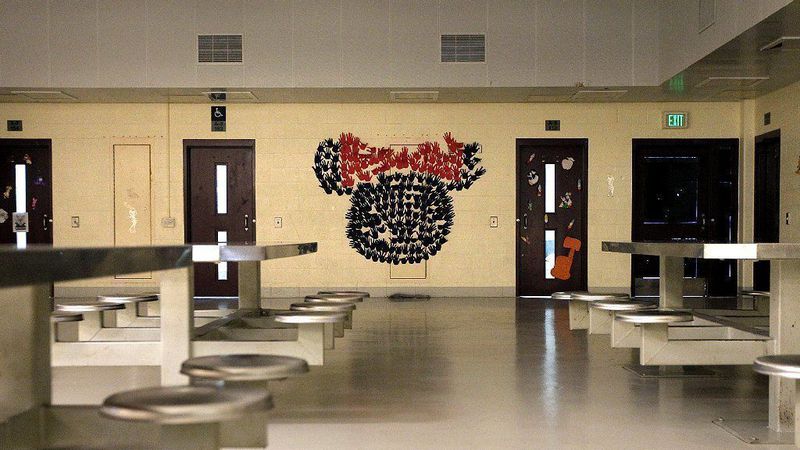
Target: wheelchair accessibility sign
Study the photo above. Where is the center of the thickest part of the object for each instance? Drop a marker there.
(218, 118)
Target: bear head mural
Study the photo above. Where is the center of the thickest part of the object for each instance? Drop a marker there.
(400, 206)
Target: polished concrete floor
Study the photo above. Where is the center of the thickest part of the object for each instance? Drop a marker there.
(479, 373)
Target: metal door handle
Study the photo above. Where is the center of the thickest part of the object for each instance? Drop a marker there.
(524, 221)
(246, 223)
(45, 222)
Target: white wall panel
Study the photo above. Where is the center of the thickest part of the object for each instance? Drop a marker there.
(73, 42)
(366, 44)
(559, 43)
(121, 44)
(646, 29)
(24, 51)
(171, 43)
(415, 42)
(510, 44)
(609, 43)
(317, 60)
(268, 43)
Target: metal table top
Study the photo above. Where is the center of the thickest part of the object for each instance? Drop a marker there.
(249, 252)
(45, 263)
(749, 251)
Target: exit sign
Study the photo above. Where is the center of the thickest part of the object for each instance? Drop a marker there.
(676, 120)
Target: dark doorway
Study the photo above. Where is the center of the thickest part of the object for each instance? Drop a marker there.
(26, 164)
(220, 205)
(766, 200)
(551, 215)
(685, 190)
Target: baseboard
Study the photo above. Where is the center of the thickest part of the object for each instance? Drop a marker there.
(296, 292)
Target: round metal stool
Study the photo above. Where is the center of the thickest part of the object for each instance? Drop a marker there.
(189, 416)
(243, 367)
(60, 317)
(659, 316)
(323, 306)
(356, 293)
(784, 366)
(623, 305)
(127, 298)
(84, 306)
(334, 298)
(592, 297)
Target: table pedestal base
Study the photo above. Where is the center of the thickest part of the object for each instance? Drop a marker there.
(671, 371)
(755, 432)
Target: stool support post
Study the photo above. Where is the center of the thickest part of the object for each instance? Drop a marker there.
(599, 321)
(578, 315)
(670, 285)
(784, 310)
(177, 322)
(201, 436)
(249, 284)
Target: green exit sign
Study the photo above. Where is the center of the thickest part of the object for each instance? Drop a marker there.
(676, 120)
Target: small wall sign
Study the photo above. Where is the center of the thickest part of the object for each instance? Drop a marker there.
(676, 120)
(552, 125)
(218, 118)
(20, 221)
(14, 125)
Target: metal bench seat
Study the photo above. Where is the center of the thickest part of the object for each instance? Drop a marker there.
(244, 367)
(660, 316)
(127, 298)
(362, 294)
(61, 317)
(84, 306)
(624, 305)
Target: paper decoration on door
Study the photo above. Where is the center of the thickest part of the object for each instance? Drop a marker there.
(566, 200)
(563, 267)
(567, 163)
(533, 178)
(400, 209)
(132, 215)
(7, 192)
(530, 158)
(3, 215)
(34, 202)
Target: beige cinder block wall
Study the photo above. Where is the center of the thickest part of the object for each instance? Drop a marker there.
(477, 260)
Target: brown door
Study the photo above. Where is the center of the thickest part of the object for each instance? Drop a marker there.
(220, 207)
(26, 185)
(551, 215)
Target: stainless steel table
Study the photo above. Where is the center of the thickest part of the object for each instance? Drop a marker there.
(26, 279)
(249, 258)
(784, 301)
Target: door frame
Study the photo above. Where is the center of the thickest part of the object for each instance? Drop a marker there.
(583, 143)
(760, 139)
(188, 144)
(36, 143)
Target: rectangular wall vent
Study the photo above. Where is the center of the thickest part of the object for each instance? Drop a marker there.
(219, 48)
(414, 96)
(463, 48)
(598, 94)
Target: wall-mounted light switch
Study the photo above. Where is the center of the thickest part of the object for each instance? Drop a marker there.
(493, 222)
(76, 222)
(278, 222)
(787, 218)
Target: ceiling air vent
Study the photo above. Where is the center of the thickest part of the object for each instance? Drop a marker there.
(414, 96)
(219, 48)
(463, 48)
(731, 82)
(783, 43)
(222, 96)
(594, 95)
(44, 95)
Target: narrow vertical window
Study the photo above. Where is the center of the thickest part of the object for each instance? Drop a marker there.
(222, 268)
(549, 188)
(21, 197)
(222, 189)
(549, 253)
